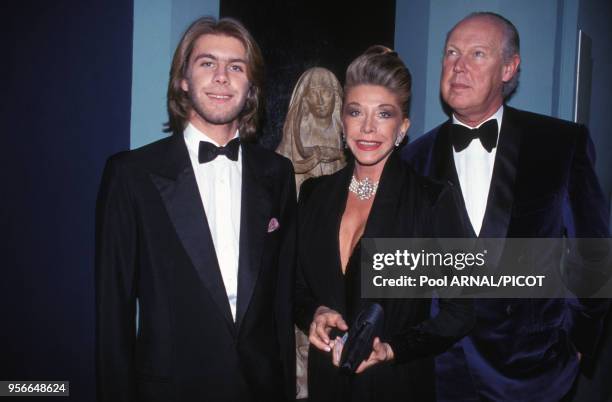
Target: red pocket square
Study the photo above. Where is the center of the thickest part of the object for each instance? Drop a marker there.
(273, 225)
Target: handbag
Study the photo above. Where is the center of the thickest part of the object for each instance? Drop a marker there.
(358, 344)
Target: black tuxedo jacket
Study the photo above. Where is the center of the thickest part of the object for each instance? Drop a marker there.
(154, 245)
(405, 205)
(543, 185)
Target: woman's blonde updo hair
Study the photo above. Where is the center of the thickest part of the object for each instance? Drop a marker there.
(379, 65)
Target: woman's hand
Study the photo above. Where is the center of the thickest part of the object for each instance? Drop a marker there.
(381, 352)
(324, 320)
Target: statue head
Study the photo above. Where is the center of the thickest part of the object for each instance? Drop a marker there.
(312, 129)
(317, 93)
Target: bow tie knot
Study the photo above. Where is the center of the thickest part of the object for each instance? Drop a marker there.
(486, 133)
(208, 151)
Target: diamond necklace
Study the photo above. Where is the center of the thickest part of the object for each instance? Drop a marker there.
(363, 189)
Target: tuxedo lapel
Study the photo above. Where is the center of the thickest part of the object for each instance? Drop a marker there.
(501, 193)
(442, 165)
(178, 188)
(256, 207)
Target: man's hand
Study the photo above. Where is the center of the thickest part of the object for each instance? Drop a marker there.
(324, 320)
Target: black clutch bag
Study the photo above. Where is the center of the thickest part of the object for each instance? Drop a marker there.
(358, 345)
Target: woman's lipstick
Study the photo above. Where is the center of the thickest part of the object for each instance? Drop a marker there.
(368, 145)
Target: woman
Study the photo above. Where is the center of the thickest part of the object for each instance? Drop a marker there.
(375, 195)
(311, 134)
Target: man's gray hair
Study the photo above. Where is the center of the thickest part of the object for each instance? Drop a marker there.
(511, 45)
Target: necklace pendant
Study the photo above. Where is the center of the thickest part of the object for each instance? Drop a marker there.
(363, 189)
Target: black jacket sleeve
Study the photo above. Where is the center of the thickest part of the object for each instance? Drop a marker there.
(305, 304)
(286, 277)
(115, 273)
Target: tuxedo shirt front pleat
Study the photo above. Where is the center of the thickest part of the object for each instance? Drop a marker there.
(220, 186)
(474, 170)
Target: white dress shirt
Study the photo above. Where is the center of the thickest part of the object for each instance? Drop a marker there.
(474, 169)
(220, 185)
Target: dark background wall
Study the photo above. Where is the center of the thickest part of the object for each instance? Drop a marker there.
(66, 87)
(295, 35)
(594, 19)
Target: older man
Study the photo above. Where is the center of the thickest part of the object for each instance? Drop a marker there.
(521, 175)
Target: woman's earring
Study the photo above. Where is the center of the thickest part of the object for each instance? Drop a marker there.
(399, 139)
(344, 141)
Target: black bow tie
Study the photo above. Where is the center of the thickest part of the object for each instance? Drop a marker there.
(487, 134)
(208, 151)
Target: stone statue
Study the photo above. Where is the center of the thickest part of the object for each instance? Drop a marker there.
(312, 139)
(312, 130)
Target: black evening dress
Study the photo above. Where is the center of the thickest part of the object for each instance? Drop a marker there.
(405, 205)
